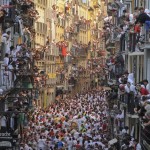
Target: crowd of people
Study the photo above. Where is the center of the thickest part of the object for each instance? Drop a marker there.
(80, 122)
(131, 30)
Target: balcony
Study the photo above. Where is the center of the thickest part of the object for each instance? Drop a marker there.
(145, 138)
(83, 27)
(60, 22)
(53, 50)
(110, 46)
(79, 51)
(133, 41)
(17, 77)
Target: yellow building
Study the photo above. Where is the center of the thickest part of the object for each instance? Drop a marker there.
(97, 12)
(75, 24)
(43, 45)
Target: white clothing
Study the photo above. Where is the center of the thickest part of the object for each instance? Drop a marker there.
(3, 121)
(41, 143)
(129, 89)
(80, 140)
(14, 54)
(120, 116)
(4, 38)
(6, 61)
(131, 18)
(70, 144)
(131, 78)
(76, 135)
(138, 147)
(147, 11)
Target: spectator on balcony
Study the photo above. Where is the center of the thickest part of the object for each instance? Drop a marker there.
(136, 145)
(145, 85)
(143, 18)
(3, 123)
(15, 52)
(5, 43)
(121, 79)
(136, 12)
(129, 88)
(129, 17)
(9, 51)
(120, 118)
(6, 60)
(147, 11)
(137, 28)
(141, 90)
(130, 93)
(147, 116)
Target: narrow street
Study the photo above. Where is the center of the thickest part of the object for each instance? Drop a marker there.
(79, 122)
(75, 75)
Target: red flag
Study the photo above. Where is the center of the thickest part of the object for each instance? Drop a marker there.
(64, 50)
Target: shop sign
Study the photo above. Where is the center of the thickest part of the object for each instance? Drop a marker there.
(6, 139)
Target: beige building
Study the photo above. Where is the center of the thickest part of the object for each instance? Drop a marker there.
(45, 33)
(77, 25)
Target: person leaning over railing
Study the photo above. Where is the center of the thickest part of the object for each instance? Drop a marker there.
(146, 117)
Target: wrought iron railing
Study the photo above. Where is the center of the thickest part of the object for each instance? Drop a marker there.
(145, 138)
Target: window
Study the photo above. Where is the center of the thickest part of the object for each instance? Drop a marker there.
(37, 26)
(40, 27)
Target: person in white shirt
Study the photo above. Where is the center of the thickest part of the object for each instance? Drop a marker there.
(137, 145)
(5, 70)
(3, 122)
(6, 60)
(5, 42)
(70, 144)
(130, 88)
(145, 85)
(120, 117)
(41, 143)
(15, 52)
(147, 11)
(130, 16)
(74, 143)
(80, 139)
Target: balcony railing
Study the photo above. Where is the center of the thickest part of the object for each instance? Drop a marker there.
(79, 51)
(53, 50)
(7, 78)
(133, 42)
(145, 138)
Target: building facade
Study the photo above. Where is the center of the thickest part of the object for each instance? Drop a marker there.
(129, 54)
